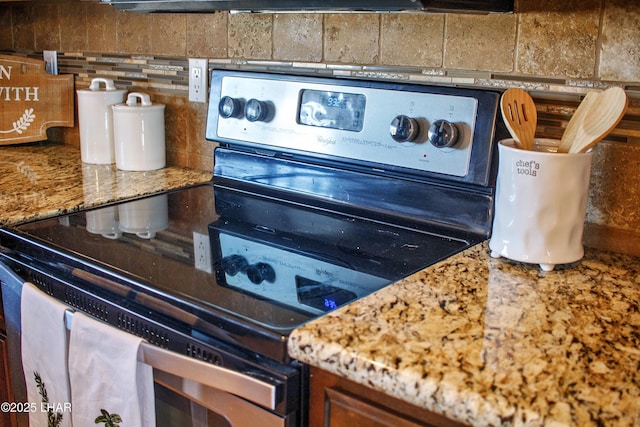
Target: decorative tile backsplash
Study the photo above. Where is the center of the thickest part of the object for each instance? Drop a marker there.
(555, 49)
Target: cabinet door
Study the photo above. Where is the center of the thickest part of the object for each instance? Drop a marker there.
(6, 418)
(6, 395)
(338, 402)
(346, 410)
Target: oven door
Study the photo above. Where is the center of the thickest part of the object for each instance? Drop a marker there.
(188, 392)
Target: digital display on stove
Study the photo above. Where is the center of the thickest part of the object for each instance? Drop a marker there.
(321, 296)
(333, 110)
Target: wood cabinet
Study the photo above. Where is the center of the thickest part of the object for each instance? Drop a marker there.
(338, 402)
(6, 395)
(6, 418)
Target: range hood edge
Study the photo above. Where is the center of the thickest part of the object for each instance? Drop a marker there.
(302, 6)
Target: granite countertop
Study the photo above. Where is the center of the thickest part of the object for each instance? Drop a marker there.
(483, 341)
(46, 179)
(493, 342)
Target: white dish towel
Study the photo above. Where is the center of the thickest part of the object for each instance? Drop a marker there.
(107, 381)
(44, 357)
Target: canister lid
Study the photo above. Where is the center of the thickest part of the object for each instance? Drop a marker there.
(96, 90)
(132, 102)
(109, 86)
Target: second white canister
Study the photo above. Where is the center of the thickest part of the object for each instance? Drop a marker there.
(139, 134)
(95, 117)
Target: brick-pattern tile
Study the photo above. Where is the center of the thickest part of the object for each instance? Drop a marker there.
(352, 38)
(614, 194)
(6, 34)
(412, 40)
(169, 34)
(620, 55)
(133, 33)
(297, 37)
(24, 23)
(559, 43)
(480, 42)
(74, 33)
(47, 31)
(101, 28)
(250, 36)
(207, 35)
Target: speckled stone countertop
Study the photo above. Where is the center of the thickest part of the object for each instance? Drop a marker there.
(493, 342)
(46, 179)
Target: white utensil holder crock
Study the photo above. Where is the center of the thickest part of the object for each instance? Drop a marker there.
(95, 120)
(139, 134)
(540, 204)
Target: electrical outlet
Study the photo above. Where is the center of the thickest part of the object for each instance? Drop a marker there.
(202, 252)
(198, 73)
(50, 61)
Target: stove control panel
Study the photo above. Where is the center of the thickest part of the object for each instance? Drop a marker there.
(379, 125)
(291, 278)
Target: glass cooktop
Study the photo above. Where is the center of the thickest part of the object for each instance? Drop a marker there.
(258, 260)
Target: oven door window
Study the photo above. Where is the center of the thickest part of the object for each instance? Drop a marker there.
(182, 402)
(172, 409)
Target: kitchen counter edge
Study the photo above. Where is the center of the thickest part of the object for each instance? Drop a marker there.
(495, 342)
(47, 179)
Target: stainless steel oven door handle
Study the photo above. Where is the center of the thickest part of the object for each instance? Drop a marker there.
(207, 374)
(213, 376)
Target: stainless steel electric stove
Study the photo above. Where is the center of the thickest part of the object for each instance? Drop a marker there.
(324, 191)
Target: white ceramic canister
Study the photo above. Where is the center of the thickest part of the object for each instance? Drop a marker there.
(144, 217)
(104, 221)
(95, 117)
(541, 202)
(139, 134)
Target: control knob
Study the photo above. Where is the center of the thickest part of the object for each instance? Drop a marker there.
(259, 272)
(443, 134)
(229, 107)
(404, 128)
(234, 264)
(256, 111)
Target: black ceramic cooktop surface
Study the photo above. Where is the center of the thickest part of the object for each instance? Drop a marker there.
(263, 261)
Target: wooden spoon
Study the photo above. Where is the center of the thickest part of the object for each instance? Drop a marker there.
(574, 125)
(603, 115)
(520, 116)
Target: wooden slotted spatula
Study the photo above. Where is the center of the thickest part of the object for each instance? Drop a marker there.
(602, 115)
(520, 116)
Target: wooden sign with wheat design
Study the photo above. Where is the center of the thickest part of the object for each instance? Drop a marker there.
(31, 101)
